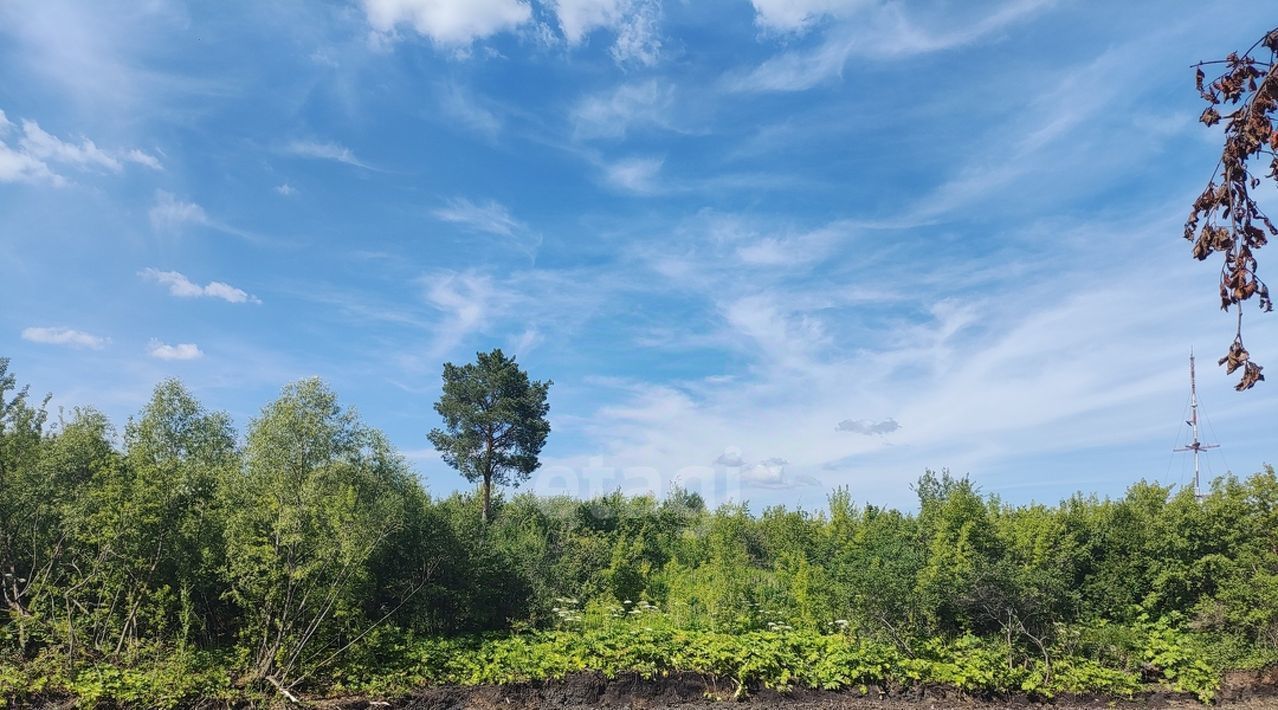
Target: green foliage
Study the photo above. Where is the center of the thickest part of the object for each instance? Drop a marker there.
(1178, 658)
(159, 683)
(733, 664)
(1085, 675)
(319, 496)
(177, 561)
(149, 527)
(155, 678)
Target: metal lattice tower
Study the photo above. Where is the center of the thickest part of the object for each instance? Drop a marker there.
(1195, 446)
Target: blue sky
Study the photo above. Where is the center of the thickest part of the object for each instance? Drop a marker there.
(762, 248)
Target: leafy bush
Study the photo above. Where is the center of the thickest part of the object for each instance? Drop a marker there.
(155, 679)
(1179, 658)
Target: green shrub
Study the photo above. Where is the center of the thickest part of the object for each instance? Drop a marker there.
(1179, 657)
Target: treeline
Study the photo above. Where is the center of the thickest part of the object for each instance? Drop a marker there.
(308, 544)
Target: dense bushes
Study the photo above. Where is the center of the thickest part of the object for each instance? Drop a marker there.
(307, 554)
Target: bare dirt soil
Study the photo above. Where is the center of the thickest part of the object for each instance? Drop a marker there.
(1240, 691)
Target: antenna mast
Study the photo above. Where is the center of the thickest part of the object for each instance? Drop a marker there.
(1195, 446)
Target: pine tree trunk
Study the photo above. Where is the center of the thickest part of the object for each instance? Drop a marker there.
(488, 497)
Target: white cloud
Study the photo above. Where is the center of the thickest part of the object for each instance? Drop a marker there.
(285, 189)
(635, 174)
(227, 292)
(169, 213)
(16, 166)
(450, 23)
(638, 37)
(178, 284)
(64, 336)
(614, 113)
(38, 150)
(322, 150)
(133, 155)
(45, 146)
(578, 17)
(182, 287)
(492, 217)
(180, 351)
(636, 23)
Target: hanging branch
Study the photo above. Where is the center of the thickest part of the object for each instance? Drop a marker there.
(1226, 218)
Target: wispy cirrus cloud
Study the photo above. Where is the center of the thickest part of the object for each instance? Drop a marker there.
(526, 341)
(468, 301)
(170, 214)
(871, 29)
(1015, 367)
(101, 56)
(325, 150)
(1084, 102)
(490, 217)
(182, 287)
(63, 336)
(637, 175)
(790, 249)
(461, 106)
(798, 16)
(612, 114)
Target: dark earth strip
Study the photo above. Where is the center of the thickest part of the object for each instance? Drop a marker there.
(1240, 690)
